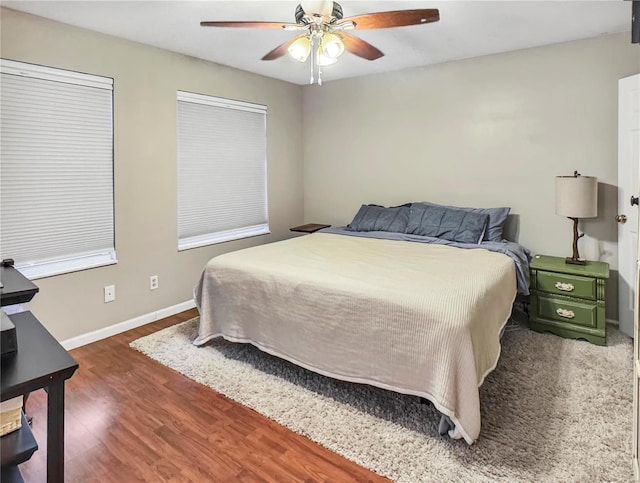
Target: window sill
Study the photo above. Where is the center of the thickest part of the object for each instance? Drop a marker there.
(58, 267)
(221, 237)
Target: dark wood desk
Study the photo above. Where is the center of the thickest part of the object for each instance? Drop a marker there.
(40, 363)
(17, 289)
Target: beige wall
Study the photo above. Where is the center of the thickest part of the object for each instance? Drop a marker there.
(145, 83)
(487, 131)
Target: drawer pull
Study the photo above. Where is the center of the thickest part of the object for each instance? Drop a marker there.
(567, 314)
(565, 287)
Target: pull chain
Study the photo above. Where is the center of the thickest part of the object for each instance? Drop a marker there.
(312, 56)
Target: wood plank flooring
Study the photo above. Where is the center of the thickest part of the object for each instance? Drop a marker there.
(129, 419)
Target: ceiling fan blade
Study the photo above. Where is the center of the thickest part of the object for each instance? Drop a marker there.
(397, 18)
(266, 25)
(359, 47)
(281, 49)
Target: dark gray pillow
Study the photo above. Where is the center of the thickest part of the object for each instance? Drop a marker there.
(497, 217)
(441, 222)
(379, 218)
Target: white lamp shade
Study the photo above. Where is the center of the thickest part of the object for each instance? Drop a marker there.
(300, 49)
(331, 45)
(323, 60)
(577, 196)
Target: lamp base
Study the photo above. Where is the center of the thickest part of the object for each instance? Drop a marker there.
(575, 259)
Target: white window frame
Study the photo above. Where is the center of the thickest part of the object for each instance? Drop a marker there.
(78, 261)
(211, 238)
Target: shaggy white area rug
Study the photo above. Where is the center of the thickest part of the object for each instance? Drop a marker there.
(554, 410)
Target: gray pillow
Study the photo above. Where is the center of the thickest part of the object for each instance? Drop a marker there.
(442, 222)
(379, 218)
(497, 217)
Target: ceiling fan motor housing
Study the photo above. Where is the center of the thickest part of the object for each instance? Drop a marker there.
(336, 14)
(300, 16)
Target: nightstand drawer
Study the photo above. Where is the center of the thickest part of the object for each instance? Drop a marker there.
(570, 311)
(573, 285)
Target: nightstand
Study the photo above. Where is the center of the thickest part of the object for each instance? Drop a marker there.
(568, 300)
(309, 228)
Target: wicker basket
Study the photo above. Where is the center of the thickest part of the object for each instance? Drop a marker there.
(10, 415)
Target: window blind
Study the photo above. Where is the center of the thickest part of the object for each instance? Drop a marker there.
(56, 169)
(222, 170)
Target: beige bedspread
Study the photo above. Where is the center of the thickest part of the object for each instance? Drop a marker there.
(414, 318)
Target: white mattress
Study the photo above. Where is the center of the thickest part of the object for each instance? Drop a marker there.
(414, 318)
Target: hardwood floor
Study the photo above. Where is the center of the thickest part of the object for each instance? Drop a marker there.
(129, 418)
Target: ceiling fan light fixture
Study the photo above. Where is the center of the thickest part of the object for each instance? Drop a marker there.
(323, 60)
(325, 36)
(331, 45)
(300, 49)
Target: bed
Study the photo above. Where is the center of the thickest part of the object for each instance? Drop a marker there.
(409, 313)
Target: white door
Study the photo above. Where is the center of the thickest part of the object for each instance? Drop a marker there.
(628, 241)
(628, 160)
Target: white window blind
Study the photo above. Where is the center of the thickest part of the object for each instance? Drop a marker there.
(56, 169)
(222, 170)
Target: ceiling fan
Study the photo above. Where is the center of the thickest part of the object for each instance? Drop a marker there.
(324, 35)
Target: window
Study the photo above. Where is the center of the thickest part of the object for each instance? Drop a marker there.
(222, 170)
(56, 169)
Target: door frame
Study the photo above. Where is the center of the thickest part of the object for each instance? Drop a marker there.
(624, 86)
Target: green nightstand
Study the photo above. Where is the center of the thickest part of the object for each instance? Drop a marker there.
(568, 300)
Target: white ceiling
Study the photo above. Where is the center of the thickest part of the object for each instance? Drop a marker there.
(466, 29)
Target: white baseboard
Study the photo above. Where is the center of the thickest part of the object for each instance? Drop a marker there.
(100, 334)
(611, 321)
(636, 469)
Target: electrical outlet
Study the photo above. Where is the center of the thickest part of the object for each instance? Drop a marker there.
(153, 282)
(109, 293)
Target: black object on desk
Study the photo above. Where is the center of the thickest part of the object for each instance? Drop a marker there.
(15, 288)
(8, 337)
(40, 363)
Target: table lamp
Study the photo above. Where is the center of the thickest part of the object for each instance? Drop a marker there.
(576, 197)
